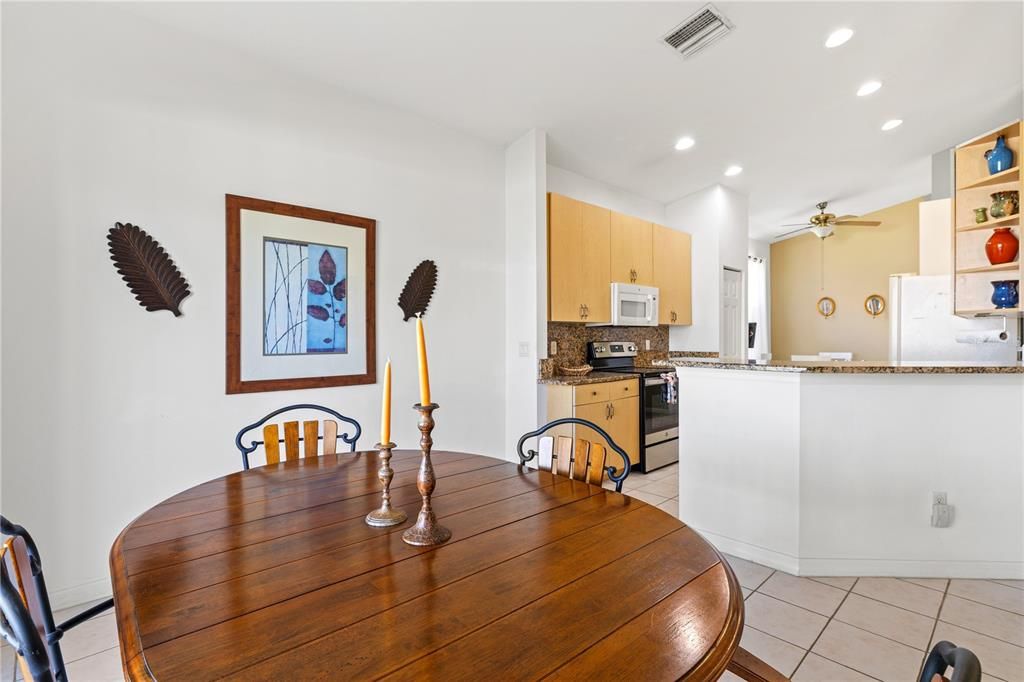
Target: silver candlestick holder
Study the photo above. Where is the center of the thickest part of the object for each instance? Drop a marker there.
(427, 531)
(385, 516)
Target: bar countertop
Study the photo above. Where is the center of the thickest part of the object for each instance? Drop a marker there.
(849, 367)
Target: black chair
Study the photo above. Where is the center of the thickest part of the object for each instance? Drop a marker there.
(310, 437)
(966, 666)
(577, 458)
(27, 622)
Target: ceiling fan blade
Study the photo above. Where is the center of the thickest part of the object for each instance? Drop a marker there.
(791, 232)
(858, 223)
(796, 225)
(846, 217)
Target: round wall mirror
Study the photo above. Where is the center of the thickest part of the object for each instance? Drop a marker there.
(874, 305)
(826, 306)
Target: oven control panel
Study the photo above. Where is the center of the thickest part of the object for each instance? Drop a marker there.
(612, 349)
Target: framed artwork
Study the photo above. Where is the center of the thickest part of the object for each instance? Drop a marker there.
(300, 297)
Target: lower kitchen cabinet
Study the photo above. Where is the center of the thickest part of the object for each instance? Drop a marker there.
(613, 405)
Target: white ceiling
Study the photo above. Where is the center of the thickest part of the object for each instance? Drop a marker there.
(614, 99)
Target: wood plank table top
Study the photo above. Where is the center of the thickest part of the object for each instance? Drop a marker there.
(272, 574)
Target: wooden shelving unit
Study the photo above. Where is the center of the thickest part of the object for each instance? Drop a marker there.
(972, 282)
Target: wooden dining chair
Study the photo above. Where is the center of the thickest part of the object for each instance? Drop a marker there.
(577, 458)
(311, 435)
(27, 622)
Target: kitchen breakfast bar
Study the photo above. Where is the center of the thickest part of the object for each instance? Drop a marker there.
(830, 469)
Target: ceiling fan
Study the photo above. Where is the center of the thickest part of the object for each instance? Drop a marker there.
(822, 224)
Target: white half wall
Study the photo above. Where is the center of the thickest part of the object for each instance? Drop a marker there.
(109, 409)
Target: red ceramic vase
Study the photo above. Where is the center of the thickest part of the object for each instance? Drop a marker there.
(1001, 247)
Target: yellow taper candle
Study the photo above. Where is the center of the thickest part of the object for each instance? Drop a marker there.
(385, 407)
(421, 349)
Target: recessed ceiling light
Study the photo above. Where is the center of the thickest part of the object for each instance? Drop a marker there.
(838, 37)
(733, 170)
(684, 143)
(892, 123)
(868, 88)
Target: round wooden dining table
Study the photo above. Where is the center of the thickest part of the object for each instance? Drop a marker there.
(273, 574)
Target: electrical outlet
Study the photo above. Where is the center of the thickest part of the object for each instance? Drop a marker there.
(942, 513)
(647, 344)
(554, 348)
(524, 349)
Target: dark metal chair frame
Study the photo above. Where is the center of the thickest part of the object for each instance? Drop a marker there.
(247, 450)
(966, 666)
(616, 479)
(51, 666)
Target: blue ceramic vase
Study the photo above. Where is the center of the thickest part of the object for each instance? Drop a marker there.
(1000, 157)
(1005, 294)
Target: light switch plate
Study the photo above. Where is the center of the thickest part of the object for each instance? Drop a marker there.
(554, 348)
(647, 344)
(524, 349)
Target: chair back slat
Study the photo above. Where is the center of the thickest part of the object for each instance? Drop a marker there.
(595, 466)
(579, 460)
(584, 458)
(272, 443)
(545, 452)
(14, 555)
(310, 436)
(291, 440)
(562, 456)
(330, 437)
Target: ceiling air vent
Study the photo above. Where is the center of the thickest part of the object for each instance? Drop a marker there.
(697, 32)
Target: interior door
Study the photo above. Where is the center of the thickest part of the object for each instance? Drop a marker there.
(732, 344)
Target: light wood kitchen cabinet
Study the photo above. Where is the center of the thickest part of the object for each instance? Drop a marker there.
(613, 405)
(672, 275)
(579, 259)
(631, 250)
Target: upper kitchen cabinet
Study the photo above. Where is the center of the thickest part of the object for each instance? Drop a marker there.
(579, 257)
(672, 254)
(631, 250)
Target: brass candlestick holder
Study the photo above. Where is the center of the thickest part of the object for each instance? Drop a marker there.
(385, 516)
(427, 531)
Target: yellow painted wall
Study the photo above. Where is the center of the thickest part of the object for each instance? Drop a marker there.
(858, 262)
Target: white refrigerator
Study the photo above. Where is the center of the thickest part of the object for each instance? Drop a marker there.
(923, 328)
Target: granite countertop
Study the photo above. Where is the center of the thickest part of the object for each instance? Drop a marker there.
(592, 378)
(852, 367)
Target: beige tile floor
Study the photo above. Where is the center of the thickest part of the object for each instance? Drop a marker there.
(814, 629)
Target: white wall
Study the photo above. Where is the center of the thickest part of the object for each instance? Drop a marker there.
(598, 193)
(525, 282)
(107, 408)
(763, 250)
(717, 217)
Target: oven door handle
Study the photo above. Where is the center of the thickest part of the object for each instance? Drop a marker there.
(654, 382)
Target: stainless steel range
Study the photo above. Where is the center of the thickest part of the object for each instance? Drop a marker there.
(659, 405)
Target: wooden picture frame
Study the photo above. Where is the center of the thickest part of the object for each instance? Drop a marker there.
(253, 364)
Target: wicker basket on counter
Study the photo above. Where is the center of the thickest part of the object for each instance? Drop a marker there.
(580, 371)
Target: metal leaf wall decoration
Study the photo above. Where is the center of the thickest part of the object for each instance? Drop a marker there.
(418, 289)
(145, 266)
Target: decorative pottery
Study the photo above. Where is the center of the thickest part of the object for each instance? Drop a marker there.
(1004, 203)
(1002, 246)
(980, 215)
(1000, 157)
(1005, 293)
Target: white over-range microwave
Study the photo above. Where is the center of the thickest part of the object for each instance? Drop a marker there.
(633, 306)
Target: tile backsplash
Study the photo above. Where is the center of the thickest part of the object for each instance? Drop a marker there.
(572, 341)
